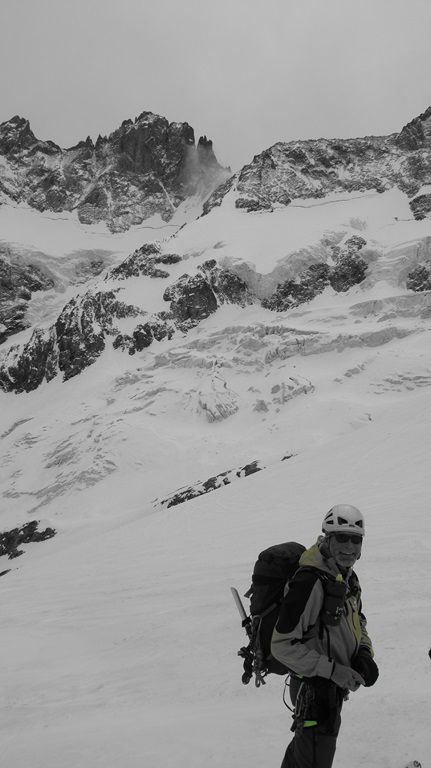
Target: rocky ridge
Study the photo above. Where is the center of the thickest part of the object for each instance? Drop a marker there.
(96, 317)
(213, 483)
(90, 321)
(80, 333)
(147, 166)
(317, 167)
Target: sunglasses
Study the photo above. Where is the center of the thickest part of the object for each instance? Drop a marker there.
(355, 538)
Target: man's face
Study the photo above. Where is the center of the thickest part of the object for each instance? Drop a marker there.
(345, 551)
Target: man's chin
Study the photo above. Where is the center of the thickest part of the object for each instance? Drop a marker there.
(346, 562)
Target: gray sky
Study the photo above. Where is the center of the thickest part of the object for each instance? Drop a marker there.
(246, 73)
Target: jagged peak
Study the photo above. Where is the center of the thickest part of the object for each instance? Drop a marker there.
(16, 134)
(148, 117)
(421, 118)
(17, 123)
(87, 144)
(149, 121)
(205, 143)
(417, 133)
(21, 126)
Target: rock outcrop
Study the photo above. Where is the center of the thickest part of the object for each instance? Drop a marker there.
(80, 333)
(349, 269)
(10, 541)
(213, 483)
(421, 206)
(193, 298)
(73, 343)
(416, 135)
(419, 279)
(145, 261)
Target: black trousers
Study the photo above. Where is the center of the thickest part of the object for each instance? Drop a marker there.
(313, 746)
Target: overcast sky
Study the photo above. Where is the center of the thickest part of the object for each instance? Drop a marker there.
(247, 73)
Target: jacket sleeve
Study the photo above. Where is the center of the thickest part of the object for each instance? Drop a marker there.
(298, 614)
(365, 642)
(365, 639)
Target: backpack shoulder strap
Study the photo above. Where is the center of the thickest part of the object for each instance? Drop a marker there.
(354, 585)
(324, 577)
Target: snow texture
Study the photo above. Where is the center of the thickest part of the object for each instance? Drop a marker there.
(119, 634)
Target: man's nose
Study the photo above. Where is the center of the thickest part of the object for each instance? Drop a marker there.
(349, 546)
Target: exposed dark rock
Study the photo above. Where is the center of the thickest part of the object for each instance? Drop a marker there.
(291, 293)
(71, 345)
(417, 133)
(213, 483)
(145, 167)
(11, 540)
(144, 261)
(26, 368)
(78, 337)
(252, 205)
(249, 469)
(193, 298)
(16, 135)
(216, 198)
(354, 244)
(419, 279)
(350, 270)
(82, 327)
(80, 340)
(206, 156)
(317, 167)
(421, 206)
(144, 334)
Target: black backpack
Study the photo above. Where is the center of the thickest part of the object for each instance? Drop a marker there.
(273, 569)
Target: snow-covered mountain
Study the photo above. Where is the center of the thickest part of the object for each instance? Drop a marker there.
(248, 363)
(302, 219)
(148, 172)
(147, 166)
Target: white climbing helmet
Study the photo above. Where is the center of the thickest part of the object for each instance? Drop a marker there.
(343, 518)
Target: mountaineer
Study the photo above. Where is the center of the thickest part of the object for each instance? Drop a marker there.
(321, 637)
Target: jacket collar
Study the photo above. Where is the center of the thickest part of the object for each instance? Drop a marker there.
(318, 556)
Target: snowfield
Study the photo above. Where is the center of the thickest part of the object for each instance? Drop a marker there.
(119, 635)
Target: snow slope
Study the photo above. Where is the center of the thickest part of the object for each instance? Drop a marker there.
(119, 635)
(62, 247)
(119, 639)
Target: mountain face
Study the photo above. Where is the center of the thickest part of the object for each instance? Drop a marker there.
(166, 288)
(146, 167)
(315, 168)
(247, 369)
